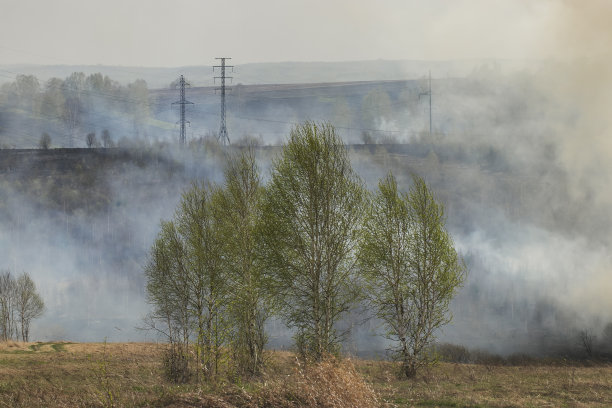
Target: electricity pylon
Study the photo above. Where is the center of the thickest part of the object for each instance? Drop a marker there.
(182, 102)
(223, 136)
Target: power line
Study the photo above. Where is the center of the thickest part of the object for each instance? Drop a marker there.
(149, 104)
(182, 102)
(223, 137)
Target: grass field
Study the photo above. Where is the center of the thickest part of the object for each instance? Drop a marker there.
(63, 374)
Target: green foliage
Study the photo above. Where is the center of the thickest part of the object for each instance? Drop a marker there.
(309, 226)
(233, 255)
(28, 89)
(62, 106)
(53, 99)
(411, 267)
(239, 206)
(186, 281)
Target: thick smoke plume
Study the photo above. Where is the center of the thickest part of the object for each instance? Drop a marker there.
(521, 158)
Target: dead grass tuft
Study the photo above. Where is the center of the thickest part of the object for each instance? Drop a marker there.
(332, 384)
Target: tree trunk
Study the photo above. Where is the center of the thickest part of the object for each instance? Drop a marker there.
(409, 369)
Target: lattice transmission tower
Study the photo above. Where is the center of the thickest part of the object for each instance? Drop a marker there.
(223, 136)
(182, 102)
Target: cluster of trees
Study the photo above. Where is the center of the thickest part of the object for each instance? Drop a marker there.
(77, 101)
(92, 141)
(203, 279)
(307, 247)
(20, 303)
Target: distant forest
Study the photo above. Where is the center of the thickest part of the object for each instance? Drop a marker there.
(65, 108)
(82, 110)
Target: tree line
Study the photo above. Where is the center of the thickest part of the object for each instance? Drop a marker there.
(20, 303)
(307, 247)
(76, 102)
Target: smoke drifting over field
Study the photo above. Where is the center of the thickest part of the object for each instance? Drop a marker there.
(521, 158)
(558, 257)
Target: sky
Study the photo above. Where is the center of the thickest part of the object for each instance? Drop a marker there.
(194, 32)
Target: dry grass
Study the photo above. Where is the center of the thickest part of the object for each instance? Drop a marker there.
(331, 384)
(475, 385)
(129, 375)
(67, 375)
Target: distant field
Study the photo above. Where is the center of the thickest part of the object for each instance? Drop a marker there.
(60, 374)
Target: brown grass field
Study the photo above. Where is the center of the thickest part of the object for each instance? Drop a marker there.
(64, 374)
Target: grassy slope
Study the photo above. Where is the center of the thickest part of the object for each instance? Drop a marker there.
(129, 374)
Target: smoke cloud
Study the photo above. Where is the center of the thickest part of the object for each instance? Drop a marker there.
(519, 153)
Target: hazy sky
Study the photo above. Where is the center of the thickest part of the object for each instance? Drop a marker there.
(193, 32)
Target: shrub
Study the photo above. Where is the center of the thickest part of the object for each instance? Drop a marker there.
(331, 383)
(453, 353)
(176, 364)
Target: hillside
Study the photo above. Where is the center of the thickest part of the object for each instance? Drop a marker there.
(273, 73)
(521, 211)
(83, 220)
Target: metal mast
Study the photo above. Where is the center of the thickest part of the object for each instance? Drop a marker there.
(182, 102)
(223, 137)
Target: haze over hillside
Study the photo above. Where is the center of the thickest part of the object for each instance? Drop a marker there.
(494, 158)
(519, 151)
(272, 73)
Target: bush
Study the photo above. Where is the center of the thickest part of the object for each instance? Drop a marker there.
(331, 383)
(453, 353)
(176, 364)
(45, 141)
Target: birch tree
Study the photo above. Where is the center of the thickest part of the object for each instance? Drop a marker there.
(239, 204)
(186, 282)
(8, 297)
(411, 268)
(28, 303)
(309, 227)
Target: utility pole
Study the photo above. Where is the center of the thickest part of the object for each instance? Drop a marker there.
(223, 137)
(428, 93)
(182, 102)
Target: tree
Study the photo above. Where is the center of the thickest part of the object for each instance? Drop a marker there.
(8, 296)
(167, 291)
(411, 267)
(28, 89)
(20, 303)
(309, 227)
(106, 139)
(45, 141)
(73, 106)
(29, 304)
(186, 283)
(138, 102)
(586, 341)
(240, 206)
(91, 140)
(53, 100)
